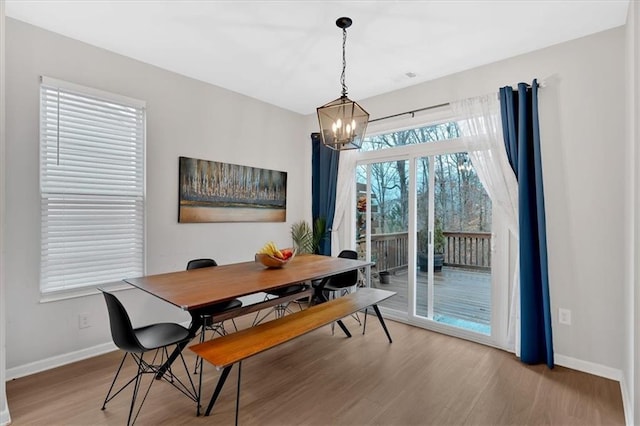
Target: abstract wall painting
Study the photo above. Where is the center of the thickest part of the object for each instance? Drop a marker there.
(211, 191)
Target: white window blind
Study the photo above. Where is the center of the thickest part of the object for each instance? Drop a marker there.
(91, 186)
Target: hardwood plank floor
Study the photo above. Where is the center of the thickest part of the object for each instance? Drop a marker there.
(423, 378)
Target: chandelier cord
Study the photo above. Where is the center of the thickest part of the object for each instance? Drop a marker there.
(344, 62)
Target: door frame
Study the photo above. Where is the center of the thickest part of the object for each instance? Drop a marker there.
(501, 246)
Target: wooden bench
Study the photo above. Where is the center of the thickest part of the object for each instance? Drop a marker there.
(233, 348)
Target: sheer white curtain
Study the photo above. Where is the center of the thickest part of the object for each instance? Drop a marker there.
(481, 131)
(342, 234)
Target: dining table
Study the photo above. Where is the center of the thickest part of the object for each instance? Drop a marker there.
(198, 288)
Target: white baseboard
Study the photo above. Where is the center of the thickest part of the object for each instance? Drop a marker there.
(5, 418)
(588, 367)
(60, 360)
(627, 402)
(57, 361)
(602, 371)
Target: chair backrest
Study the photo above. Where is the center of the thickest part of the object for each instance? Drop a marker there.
(121, 328)
(201, 263)
(345, 279)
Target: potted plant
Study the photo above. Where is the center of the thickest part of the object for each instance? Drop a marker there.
(438, 249)
(305, 239)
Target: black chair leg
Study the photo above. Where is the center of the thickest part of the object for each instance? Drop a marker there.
(176, 352)
(143, 368)
(107, 399)
(278, 310)
(196, 323)
(136, 386)
(257, 321)
(193, 393)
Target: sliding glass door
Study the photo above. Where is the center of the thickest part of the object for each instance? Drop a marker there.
(425, 221)
(382, 224)
(453, 243)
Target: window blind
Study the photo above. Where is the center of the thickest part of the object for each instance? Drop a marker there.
(91, 186)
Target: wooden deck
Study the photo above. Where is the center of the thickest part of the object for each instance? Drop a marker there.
(460, 294)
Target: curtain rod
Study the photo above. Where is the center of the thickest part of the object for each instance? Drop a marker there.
(541, 84)
(412, 112)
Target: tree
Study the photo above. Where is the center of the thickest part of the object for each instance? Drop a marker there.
(460, 200)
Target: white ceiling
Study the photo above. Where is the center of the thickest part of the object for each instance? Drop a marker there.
(288, 53)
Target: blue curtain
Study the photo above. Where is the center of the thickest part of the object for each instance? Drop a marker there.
(324, 178)
(522, 141)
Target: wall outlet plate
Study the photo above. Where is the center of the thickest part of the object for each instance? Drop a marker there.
(564, 316)
(83, 321)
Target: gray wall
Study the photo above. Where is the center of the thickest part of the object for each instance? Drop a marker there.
(4, 410)
(631, 377)
(184, 117)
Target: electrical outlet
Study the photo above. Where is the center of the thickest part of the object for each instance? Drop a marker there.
(564, 316)
(83, 321)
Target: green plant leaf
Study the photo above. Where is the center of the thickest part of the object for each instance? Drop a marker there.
(319, 233)
(302, 237)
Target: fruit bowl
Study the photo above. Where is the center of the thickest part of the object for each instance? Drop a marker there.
(271, 261)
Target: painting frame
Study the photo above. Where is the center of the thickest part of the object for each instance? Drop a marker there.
(218, 192)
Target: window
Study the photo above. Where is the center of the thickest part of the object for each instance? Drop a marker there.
(91, 187)
(412, 136)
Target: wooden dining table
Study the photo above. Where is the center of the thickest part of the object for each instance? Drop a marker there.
(198, 288)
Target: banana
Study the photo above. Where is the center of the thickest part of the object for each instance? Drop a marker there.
(272, 250)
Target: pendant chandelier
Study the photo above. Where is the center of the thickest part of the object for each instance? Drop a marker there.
(342, 122)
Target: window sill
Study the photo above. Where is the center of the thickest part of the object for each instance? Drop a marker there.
(56, 296)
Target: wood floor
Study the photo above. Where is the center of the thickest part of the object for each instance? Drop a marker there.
(422, 378)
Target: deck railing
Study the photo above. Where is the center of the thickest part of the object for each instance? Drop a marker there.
(462, 249)
(468, 249)
(390, 251)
